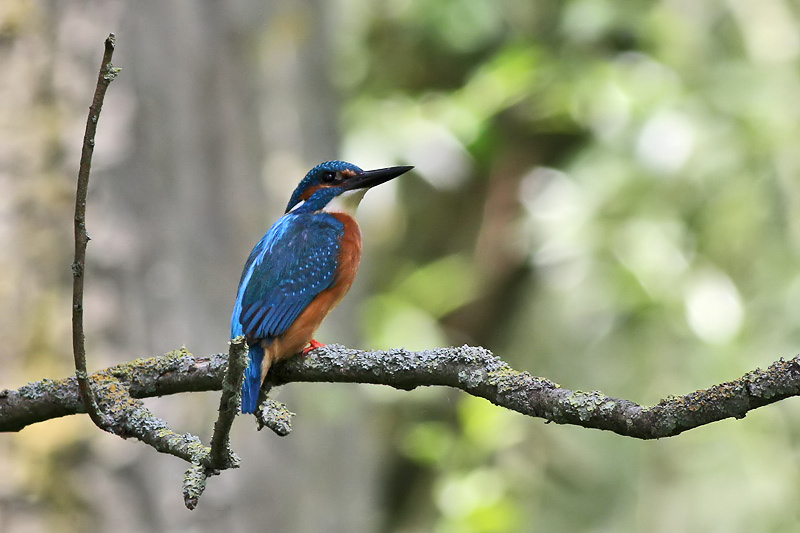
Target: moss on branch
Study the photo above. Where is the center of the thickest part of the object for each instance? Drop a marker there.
(473, 370)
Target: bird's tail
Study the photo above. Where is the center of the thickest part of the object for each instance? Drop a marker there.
(252, 379)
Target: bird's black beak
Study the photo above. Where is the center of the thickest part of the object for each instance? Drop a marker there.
(371, 178)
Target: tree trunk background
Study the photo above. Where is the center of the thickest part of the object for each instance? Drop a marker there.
(219, 110)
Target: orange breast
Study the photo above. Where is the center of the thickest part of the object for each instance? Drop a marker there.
(300, 332)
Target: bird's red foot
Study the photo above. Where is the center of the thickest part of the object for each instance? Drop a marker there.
(313, 344)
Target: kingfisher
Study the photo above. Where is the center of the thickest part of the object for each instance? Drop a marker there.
(301, 268)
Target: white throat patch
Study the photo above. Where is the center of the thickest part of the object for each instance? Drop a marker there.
(347, 202)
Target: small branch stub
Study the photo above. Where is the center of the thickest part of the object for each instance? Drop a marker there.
(194, 484)
(276, 416)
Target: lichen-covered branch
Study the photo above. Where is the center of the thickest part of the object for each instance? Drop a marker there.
(229, 403)
(175, 372)
(480, 373)
(276, 416)
(473, 370)
(219, 456)
(131, 419)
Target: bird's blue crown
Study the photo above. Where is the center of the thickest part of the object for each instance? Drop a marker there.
(316, 177)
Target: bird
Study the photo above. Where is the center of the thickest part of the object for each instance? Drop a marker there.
(301, 268)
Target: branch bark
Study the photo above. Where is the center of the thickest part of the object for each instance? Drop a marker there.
(220, 456)
(229, 403)
(172, 373)
(474, 370)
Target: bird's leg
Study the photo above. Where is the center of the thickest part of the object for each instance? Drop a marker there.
(313, 344)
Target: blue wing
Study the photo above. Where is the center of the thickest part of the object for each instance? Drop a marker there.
(287, 269)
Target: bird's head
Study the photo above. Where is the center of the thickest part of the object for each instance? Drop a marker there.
(330, 179)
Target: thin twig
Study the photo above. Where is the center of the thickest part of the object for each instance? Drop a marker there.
(106, 76)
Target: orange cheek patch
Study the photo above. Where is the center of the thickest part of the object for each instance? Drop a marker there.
(308, 192)
(311, 190)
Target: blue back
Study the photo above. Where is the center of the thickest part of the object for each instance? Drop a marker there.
(294, 261)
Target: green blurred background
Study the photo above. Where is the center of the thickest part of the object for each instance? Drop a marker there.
(606, 194)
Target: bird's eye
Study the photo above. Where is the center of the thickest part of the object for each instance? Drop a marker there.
(328, 177)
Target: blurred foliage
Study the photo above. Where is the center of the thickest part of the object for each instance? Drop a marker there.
(607, 195)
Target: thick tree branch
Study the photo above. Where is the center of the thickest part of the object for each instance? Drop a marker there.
(473, 370)
(480, 373)
(172, 373)
(107, 74)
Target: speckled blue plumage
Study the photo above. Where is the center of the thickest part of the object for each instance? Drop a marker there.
(288, 268)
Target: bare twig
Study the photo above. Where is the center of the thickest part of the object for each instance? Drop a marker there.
(106, 76)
